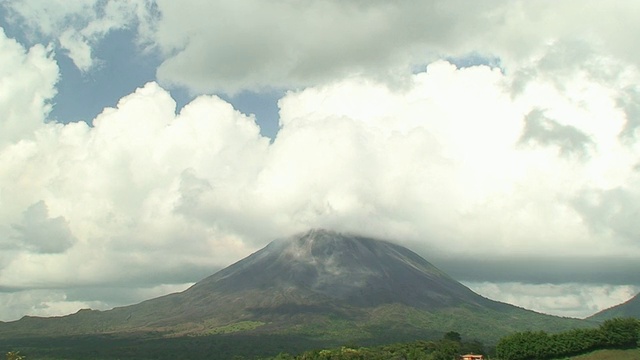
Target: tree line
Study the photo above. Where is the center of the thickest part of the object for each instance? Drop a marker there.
(447, 348)
(616, 333)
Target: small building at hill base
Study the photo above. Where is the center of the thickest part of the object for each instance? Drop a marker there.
(471, 357)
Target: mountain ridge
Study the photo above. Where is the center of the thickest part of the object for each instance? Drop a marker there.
(629, 308)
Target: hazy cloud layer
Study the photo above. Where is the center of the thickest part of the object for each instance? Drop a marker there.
(557, 268)
(48, 302)
(571, 299)
(536, 159)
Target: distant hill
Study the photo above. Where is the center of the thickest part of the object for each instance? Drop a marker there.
(630, 308)
(321, 285)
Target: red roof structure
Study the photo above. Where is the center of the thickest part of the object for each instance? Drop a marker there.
(471, 357)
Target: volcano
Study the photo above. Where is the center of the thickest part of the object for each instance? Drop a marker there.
(324, 267)
(320, 283)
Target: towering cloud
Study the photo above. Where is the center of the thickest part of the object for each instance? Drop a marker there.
(535, 152)
(28, 80)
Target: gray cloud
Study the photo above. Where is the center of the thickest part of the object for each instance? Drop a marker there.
(192, 191)
(40, 233)
(560, 61)
(611, 211)
(544, 131)
(221, 47)
(629, 101)
(553, 269)
(320, 42)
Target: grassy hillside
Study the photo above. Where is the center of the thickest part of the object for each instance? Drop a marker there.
(396, 322)
(381, 325)
(631, 354)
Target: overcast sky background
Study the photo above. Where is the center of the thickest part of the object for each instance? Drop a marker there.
(146, 144)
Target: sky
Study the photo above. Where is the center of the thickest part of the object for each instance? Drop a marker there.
(146, 144)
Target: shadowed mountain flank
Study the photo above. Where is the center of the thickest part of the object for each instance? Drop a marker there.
(349, 269)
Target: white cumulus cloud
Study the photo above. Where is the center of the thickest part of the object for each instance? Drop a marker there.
(535, 158)
(27, 86)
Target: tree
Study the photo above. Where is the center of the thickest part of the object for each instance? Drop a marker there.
(453, 336)
(613, 334)
(446, 350)
(620, 332)
(524, 345)
(472, 347)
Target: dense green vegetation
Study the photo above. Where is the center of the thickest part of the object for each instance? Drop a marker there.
(447, 348)
(236, 347)
(219, 346)
(616, 333)
(619, 333)
(529, 345)
(366, 326)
